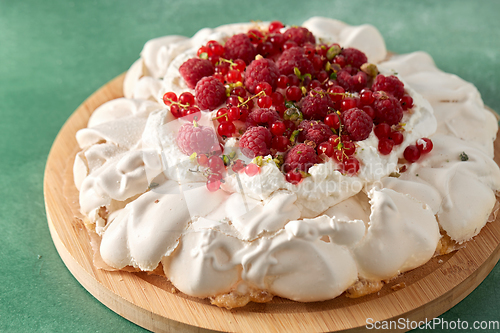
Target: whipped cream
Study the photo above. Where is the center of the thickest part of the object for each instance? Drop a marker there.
(305, 242)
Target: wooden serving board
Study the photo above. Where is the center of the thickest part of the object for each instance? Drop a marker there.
(149, 301)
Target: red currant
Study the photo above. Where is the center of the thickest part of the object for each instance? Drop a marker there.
(234, 76)
(226, 129)
(216, 49)
(278, 128)
(366, 97)
(213, 182)
(280, 143)
(424, 145)
(406, 102)
(326, 148)
(293, 177)
(334, 140)
(382, 131)
(349, 148)
(233, 100)
(202, 160)
(222, 68)
(351, 166)
(176, 111)
(397, 137)
(202, 50)
(186, 98)
(255, 36)
(336, 93)
(385, 146)
(293, 80)
(265, 87)
(282, 81)
(265, 102)
(252, 169)
(216, 164)
(411, 153)
(293, 93)
(222, 115)
(193, 113)
(275, 26)
(239, 65)
(348, 103)
(169, 98)
(233, 113)
(332, 120)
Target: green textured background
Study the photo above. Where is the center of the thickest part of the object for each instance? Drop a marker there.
(54, 54)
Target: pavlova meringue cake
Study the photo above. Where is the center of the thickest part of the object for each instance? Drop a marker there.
(257, 160)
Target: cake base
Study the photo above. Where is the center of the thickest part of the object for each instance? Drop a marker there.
(151, 302)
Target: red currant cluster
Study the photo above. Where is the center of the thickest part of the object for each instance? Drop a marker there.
(184, 106)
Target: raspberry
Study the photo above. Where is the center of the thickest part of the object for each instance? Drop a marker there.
(240, 47)
(354, 57)
(351, 79)
(317, 104)
(294, 57)
(390, 84)
(300, 157)
(256, 141)
(314, 130)
(194, 69)
(261, 70)
(357, 123)
(262, 117)
(209, 93)
(299, 35)
(196, 139)
(387, 109)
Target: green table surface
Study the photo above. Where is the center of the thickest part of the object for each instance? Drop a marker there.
(54, 54)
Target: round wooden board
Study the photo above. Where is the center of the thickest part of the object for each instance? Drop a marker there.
(149, 302)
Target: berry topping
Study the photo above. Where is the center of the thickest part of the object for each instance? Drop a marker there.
(314, 130)
(194, 69)
(292, 58)
(259, 71)
(299, 35)
(317, 104)
(387, 109)
(193, 138)
(209, 93)
(256, 141)
(240, 47)
(262, 117)
(390, 84)
(300, 157)
(357, 123)
(354, 57)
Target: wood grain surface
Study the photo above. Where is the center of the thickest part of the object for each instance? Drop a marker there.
(148, 300)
